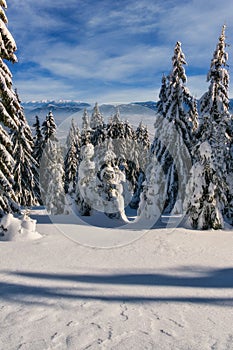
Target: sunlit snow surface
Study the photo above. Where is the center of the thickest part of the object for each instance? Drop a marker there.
(169, 289)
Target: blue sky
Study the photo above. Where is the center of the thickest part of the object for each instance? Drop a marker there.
(112, 51)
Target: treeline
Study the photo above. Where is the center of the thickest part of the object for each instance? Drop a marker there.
(188, 168)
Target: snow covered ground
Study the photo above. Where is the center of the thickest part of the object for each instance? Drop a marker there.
(169, 289)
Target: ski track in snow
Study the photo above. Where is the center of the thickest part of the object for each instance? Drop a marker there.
(152, 294)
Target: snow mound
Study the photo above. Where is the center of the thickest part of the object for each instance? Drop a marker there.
(18, 229)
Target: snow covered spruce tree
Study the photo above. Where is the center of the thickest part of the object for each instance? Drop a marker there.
(153, 195)
(96, 118)
(86, 185)
(38, 141)
(52, 169)
(25, 170)
(85, 120)
(48, 128)
(98, 127)
(124, 146)
(214, 130)
(9, 109)
(142, 148)
(73, 143)
(110, 187)
(215, 102)
(52, 180)
(176, 120)
(205, 193)
(86, 131)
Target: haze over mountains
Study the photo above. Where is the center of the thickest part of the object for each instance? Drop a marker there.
(65, 110)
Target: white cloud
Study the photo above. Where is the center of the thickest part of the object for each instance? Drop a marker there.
(126, 44)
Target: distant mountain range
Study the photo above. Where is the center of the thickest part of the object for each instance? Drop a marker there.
(65, 110)
(134, 112)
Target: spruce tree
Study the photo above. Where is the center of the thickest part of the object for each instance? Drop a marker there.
(85, 120)
(153, 195)
(142, 148)
(48, 127)
(9, 108)
(52, 178)
(25, 168)
(86, 132)
(176, 120)
(86, 184)
(214, 106)
(38, 141)
(111, 187)
(97, 119)
(73, 143)
(204, 193)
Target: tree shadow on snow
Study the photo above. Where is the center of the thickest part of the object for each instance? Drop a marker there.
(28, 293)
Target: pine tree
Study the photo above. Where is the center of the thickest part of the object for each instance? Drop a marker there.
(73, 143)
(125, 148)
(86, 185)
(25, 168)
(9, 107)
(97, 119)
(99, 128)
(153, 195)
(52, 177)
(86, 132)
(142, 147)
(176, 120)
(205, 193)
(111, 184)
(38, 141)
(214, 105)
(49, 128)
(85, 120)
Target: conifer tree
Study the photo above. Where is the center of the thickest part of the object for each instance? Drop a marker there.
(38, 141)
(48, 127)
(214, 105)
(85, 120)
(153, 195)
(73, 143)
(205, 193)
(142, 148)
(86, 131)
(25, 168)
(52, 178)
(97, 119)
(86, 185)
(111, 184)
(9, 108)
(176, 120)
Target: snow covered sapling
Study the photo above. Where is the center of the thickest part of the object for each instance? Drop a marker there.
(204, 195)
(153, 195)
(52, 178)
(111, 184)
(86, 184)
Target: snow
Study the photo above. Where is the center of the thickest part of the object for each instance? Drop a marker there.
(18, 229)
(171, 288)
